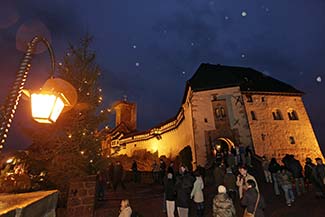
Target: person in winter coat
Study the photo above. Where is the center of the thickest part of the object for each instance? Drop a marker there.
(222, 205)
(184, 184)
(320, 175)
(309, 171)
(295, 168)
(267, 173)
(197, 194)
(231, 162)
(155, 172)
(274, 167)
(320, 170)
(229, 182)
(170, 194)
(125, 210)
(162, 171)
(118, 176)
(285, 182)
(218, 174)
(250, 198)
(101, 180)
(242, 179)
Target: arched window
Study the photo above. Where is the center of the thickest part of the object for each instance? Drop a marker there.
(292, 115)
(277, 115)
(220, 112)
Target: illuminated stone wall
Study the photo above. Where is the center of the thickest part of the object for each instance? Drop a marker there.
(198, 127)
(204, 119)
(168, 141)
(272, 137)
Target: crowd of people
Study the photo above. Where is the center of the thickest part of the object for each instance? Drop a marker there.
(233, 183)
(291, 175)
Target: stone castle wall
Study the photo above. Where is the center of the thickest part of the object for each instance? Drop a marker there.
(204, 118)
(168, 143)
(272, 137)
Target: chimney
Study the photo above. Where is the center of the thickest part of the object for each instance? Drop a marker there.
(126, 112)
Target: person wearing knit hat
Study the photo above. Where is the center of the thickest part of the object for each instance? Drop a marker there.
(222, 204)
(222, 189)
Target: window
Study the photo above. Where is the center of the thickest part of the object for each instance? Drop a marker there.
(277, 115)
(253, 115)
(263, 136)
(292, 115)
(205, 120)
(263, 98)
(220, 112)
(292, 140)
(249, 98)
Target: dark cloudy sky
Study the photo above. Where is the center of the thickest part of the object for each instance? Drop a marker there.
(148, 49)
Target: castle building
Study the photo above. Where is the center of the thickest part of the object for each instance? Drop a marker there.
(223, 107)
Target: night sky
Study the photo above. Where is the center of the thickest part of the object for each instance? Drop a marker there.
(148, 49)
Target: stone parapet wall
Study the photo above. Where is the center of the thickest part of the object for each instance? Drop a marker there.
(41, 203)
(82, 197)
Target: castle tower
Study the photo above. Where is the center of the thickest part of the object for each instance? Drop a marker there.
(126, 113)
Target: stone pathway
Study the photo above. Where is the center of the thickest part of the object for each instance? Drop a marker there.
(147, 200)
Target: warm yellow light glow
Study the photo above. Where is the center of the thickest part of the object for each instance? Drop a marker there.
(46, 108)
(10, 160)
(154, 147)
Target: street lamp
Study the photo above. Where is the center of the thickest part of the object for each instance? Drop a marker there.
(56, 95)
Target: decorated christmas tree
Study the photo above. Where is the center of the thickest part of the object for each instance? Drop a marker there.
(72, 146)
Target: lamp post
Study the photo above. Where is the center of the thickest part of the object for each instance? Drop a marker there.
(55, 96)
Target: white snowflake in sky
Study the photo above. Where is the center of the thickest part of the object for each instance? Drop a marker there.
(192, 44)
(319, 79)
(243, 56)
(244, 14)
(226, 18)
(183, 72)
(137, 64)
(134, 46)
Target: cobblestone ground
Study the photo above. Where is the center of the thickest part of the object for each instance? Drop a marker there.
(148, 199)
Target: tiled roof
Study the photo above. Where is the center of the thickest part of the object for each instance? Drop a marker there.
(210, 76)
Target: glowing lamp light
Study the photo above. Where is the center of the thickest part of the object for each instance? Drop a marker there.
(46, 108)
(56, 96)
